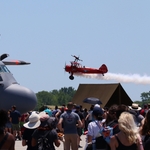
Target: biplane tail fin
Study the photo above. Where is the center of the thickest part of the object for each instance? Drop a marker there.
(103, 68)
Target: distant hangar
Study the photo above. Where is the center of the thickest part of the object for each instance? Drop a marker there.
(108, 94)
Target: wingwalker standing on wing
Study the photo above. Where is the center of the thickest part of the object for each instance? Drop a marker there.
(76, 67)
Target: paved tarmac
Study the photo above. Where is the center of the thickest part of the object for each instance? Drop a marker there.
(18, 144)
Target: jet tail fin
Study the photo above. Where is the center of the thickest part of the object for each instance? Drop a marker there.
(103, 68)
(3, 56)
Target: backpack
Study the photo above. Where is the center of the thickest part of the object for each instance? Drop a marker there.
(43, 143)
(100, 143)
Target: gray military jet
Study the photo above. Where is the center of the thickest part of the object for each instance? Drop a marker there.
(11, 93)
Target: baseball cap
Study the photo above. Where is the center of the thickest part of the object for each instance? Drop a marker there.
(97, 111)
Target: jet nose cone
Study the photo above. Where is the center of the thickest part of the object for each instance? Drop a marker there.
(24, 98)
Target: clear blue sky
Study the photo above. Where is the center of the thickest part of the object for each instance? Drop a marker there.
(47, 32)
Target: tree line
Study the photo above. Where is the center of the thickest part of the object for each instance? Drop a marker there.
(65, 94)
(145, 98)
(55, 97)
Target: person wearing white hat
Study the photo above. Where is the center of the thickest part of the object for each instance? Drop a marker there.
(135, 107)
(135, 110)
(45, 136)
(33, 123)
(97, 105)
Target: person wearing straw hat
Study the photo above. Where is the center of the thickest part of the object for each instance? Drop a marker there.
(135, 110)
(33, 123)
(135, 107)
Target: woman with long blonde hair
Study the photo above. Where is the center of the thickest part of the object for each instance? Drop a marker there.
(128, 138)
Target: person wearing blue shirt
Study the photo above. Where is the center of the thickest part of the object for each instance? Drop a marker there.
(15, 117)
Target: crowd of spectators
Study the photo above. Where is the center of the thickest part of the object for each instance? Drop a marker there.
(128, 126)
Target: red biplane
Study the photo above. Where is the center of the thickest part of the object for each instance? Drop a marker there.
(76, 67)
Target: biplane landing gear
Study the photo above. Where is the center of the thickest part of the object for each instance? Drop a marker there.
(71, 77)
